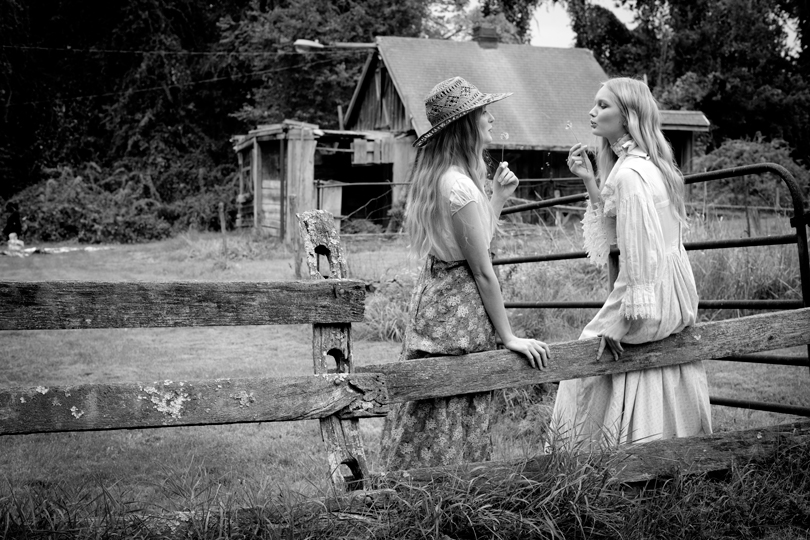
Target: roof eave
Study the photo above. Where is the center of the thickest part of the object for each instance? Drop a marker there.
(397, 85)
(681, 127)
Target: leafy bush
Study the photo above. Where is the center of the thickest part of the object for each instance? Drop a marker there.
(753, 190)
(93, 206)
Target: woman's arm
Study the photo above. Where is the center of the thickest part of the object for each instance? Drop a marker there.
(473, 243)
(580, 165)
(504, 183)
(641, 243)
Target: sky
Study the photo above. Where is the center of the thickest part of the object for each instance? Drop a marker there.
(551, 26)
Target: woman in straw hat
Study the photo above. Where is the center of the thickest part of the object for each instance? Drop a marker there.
(456, 307)
(640, 208)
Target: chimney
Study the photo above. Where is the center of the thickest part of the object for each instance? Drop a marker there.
(486, 36)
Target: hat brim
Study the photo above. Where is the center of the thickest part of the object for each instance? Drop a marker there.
(486, 99)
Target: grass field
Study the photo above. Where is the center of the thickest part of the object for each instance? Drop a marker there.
(251, 465)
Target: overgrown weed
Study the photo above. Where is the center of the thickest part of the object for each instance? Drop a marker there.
(567, 495)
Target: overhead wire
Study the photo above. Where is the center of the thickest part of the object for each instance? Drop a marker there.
(173, 85)
(145, 51)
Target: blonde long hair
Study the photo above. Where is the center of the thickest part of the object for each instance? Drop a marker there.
(459, 144)
(639, 110)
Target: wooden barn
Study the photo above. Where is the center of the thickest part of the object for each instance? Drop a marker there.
(553, 92)
(362, 169)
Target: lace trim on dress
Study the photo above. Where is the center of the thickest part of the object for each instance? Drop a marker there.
(622, 147)
(639, 302)
(594, 232)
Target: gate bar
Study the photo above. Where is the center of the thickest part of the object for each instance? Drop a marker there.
(689, 246)
(773, 359)
(703, 304)
(760, 406)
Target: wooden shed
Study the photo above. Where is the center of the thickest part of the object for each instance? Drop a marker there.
(276, 167)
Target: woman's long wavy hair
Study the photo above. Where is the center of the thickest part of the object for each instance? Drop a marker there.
(639, 110)
(460, 144)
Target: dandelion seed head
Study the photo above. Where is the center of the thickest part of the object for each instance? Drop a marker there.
(569, 125)
(504, 136)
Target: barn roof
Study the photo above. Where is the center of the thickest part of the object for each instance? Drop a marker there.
(552, 86)
(684, 121)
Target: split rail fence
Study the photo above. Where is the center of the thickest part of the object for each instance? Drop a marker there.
(340, 393)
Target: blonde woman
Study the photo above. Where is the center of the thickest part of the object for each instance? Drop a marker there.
(456, 307)
(640, 208)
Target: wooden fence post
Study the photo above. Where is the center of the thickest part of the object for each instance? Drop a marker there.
(342, 437)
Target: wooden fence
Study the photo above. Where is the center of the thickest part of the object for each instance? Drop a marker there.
(339, 394)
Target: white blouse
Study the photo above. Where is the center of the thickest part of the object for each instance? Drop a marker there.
(636, 215)
(457, 191)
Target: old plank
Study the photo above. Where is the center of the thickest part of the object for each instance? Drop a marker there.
(71, 304)
(96, 407)
(492, 370)
(696, 455)
(333, 343)
(631, 464)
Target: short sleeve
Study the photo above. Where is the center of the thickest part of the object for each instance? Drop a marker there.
(462, 193)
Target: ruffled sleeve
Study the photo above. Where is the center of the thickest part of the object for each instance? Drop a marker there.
(641, 244)
(594, 231)
(598, 231)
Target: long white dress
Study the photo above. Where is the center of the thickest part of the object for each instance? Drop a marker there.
(655, 288)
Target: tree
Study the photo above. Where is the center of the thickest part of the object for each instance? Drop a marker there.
(761, 189)
(727, 58)
(309, 87)
(517, 12)
(113, 82)
(619, 50)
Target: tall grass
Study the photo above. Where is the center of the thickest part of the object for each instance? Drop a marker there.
(571, 497)
(193, 482)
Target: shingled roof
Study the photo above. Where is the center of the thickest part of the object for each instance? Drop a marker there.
(552, 86)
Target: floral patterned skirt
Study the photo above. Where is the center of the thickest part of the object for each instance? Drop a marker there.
(447, 317)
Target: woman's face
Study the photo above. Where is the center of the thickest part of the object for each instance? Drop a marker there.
(485, 126)
(606, 119)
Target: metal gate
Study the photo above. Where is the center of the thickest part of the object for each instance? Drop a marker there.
(799, 222)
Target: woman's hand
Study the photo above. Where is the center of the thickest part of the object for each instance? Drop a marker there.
(612, 337)
(579, 164)
(504, 182)
(535, 351)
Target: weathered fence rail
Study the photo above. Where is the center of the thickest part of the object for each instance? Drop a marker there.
(73, 305)
(339, 394)
(369, 391)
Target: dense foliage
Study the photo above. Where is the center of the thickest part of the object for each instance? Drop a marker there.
(730, 59)
(157, 88)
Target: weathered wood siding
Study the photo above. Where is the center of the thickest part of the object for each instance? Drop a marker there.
(380, 107)
(244, 200)
(71, 304)
(300, 176)
(270, 180)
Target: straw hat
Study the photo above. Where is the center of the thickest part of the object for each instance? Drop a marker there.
(450, 100)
